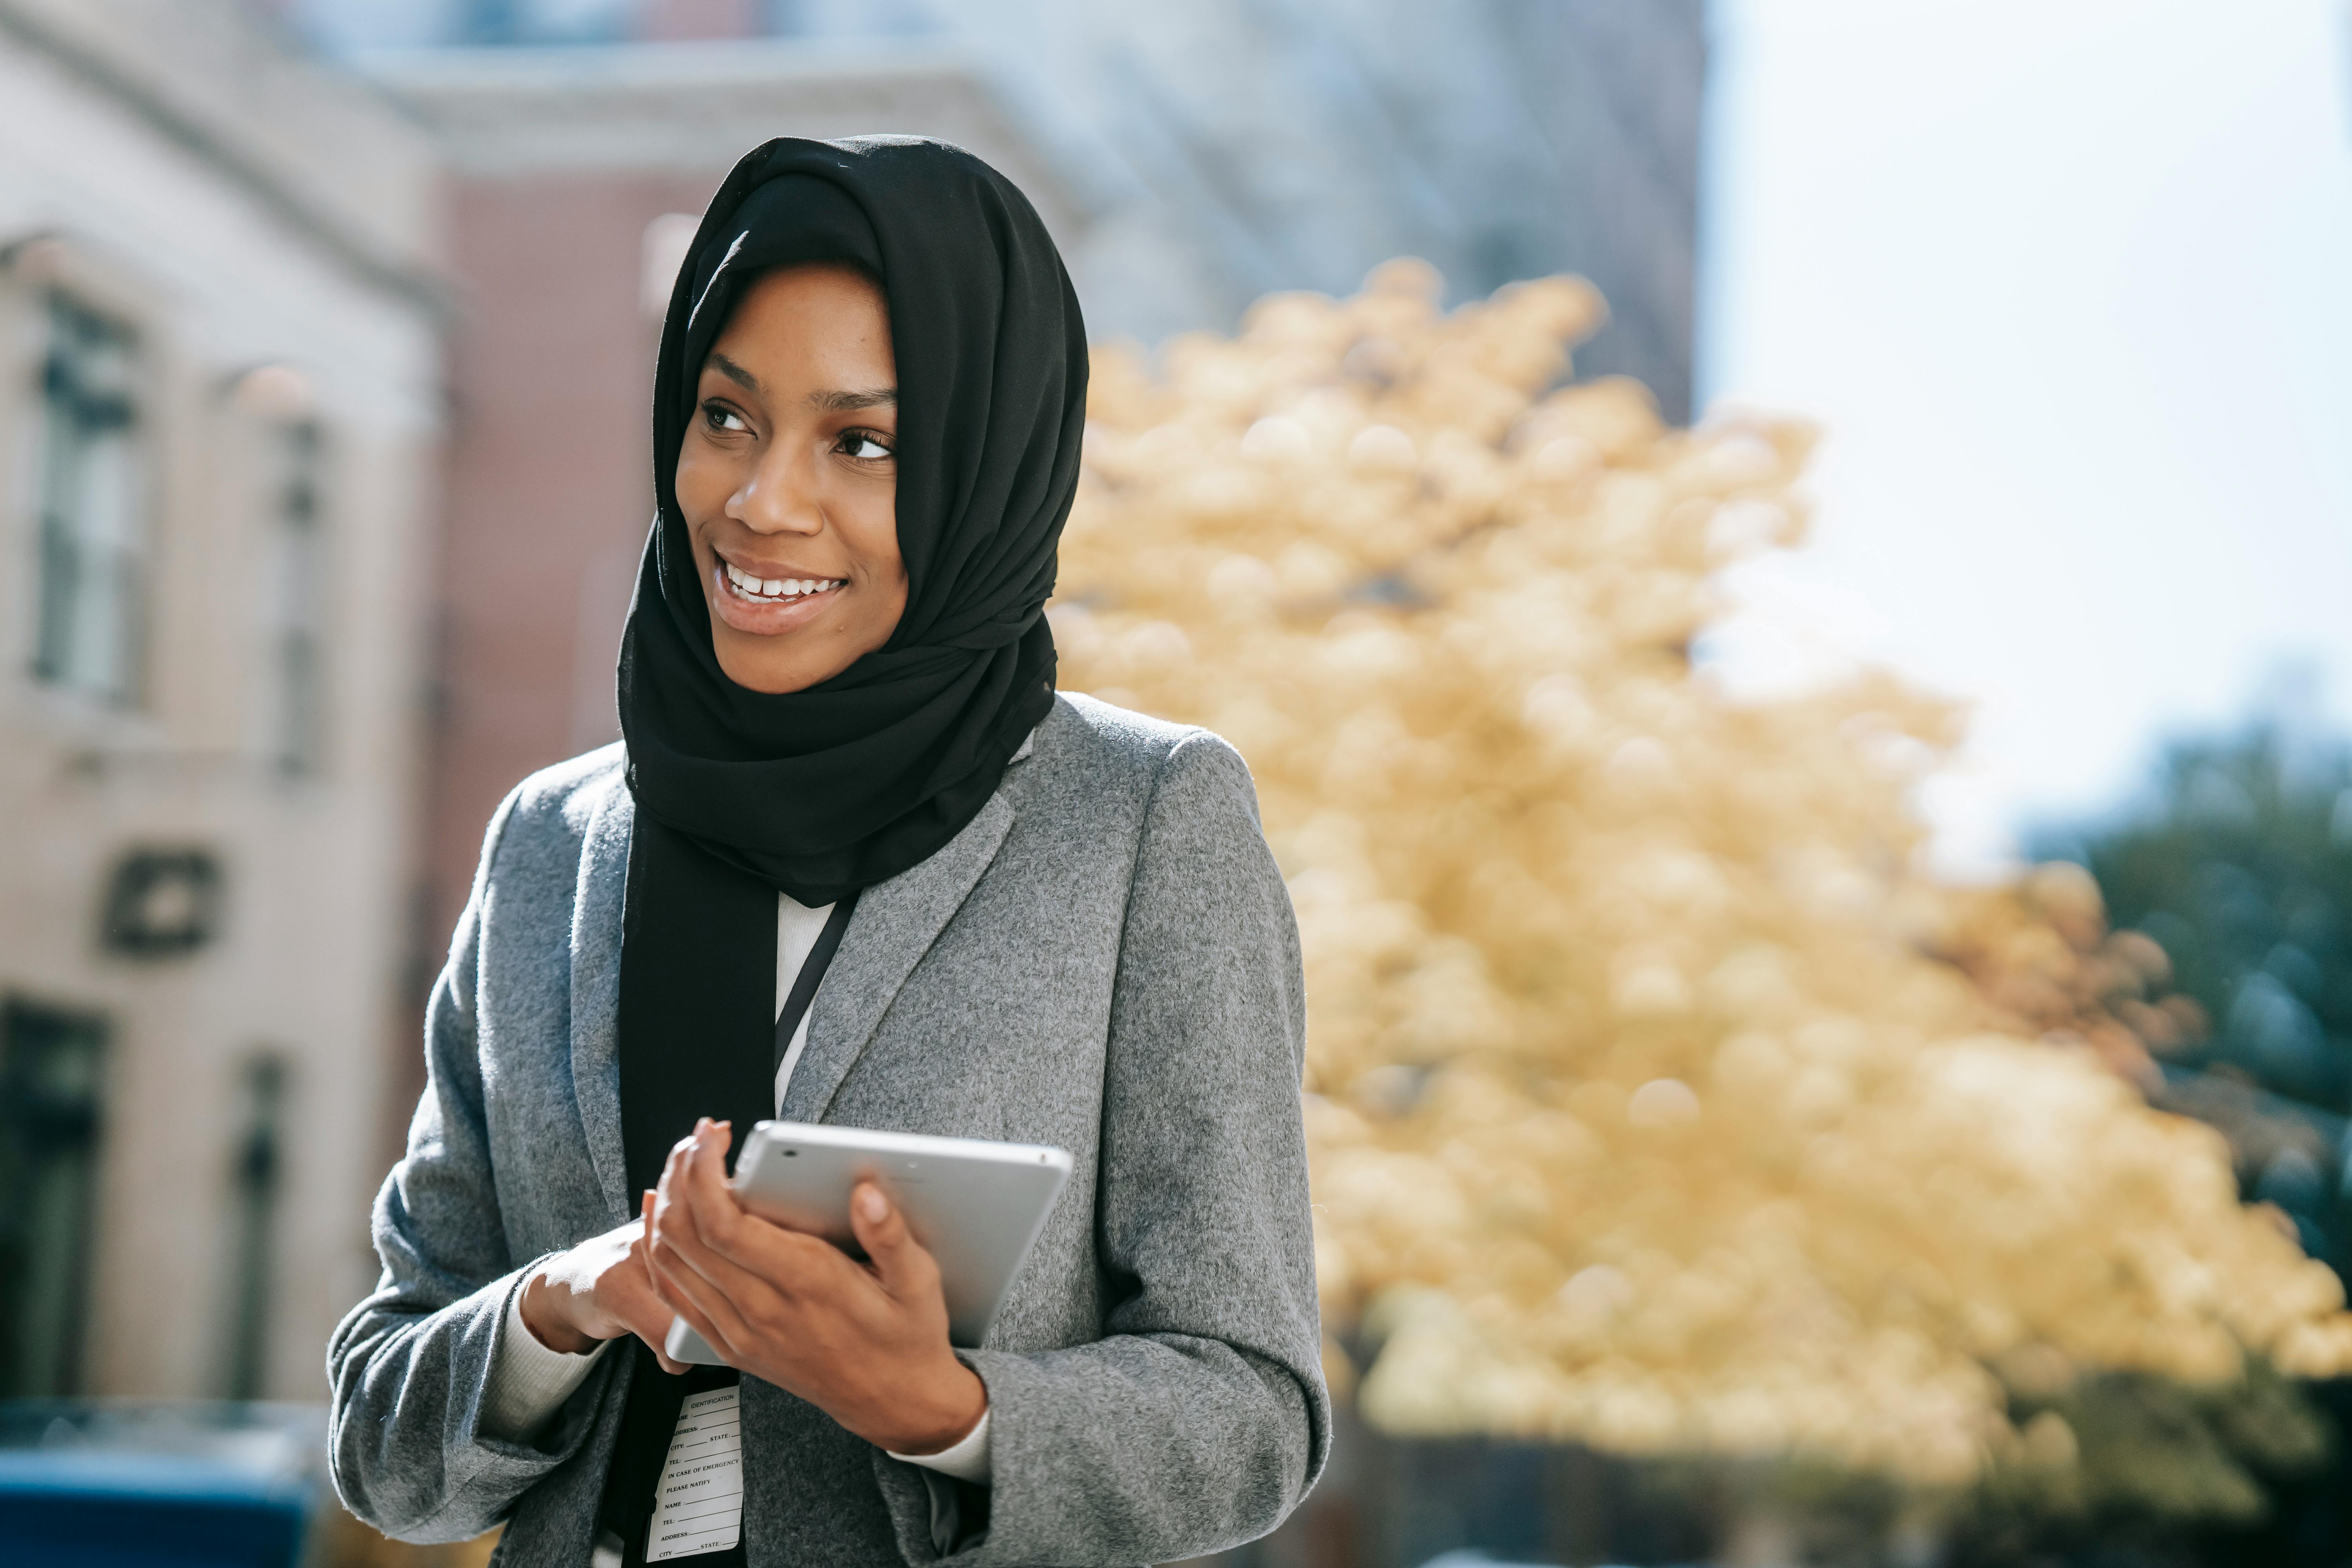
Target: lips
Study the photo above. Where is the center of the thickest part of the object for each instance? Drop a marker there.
(775, 590)
(770, 606)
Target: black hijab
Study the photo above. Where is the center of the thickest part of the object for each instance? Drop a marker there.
(822, 791)
(854, 780)
(819, 793)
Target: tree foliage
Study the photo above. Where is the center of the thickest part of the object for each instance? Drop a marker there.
(1640, 1114)
(2238, 861)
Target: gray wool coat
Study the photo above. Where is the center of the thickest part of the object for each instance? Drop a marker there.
(1105, 960)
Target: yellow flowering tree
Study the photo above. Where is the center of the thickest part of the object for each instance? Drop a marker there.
(1640, 1113)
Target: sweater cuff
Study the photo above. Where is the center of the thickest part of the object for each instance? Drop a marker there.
(528, 1382)
(966, 1461)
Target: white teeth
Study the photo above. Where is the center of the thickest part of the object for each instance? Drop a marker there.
(776, 587)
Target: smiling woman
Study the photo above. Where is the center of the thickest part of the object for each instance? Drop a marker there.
(856, 862)
(788, 480)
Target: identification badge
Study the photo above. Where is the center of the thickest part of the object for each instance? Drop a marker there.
(699, 1504)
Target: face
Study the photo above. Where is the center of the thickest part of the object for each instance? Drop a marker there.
(788, 480)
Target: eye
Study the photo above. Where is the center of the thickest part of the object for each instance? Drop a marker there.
(863, 444)
(719, 416)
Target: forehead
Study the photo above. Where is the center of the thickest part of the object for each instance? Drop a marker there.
(821, 299)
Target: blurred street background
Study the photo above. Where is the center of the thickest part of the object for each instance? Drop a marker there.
(1917, 598)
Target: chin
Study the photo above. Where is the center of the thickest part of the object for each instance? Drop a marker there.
(768, 675)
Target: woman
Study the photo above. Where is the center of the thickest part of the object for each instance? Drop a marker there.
(854, 861)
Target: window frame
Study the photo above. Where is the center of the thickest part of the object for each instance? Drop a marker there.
(32, 270)
(272, 441)
(297, 732)
(125, 598)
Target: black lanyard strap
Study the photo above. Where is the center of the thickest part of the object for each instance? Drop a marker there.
(804, 983)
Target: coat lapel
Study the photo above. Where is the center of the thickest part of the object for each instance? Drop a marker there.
(596, 990)
(894, 927)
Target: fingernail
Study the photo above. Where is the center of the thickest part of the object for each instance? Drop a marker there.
(873, 1204)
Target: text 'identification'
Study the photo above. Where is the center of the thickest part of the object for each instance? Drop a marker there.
(699, 1505)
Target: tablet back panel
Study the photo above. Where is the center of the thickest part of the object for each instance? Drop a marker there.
(977, 1206)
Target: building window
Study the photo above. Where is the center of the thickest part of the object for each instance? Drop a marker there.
(253, 1227)
(297, 594)
(50, 1065)
(92, 507)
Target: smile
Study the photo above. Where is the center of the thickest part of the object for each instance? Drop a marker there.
(776, 590)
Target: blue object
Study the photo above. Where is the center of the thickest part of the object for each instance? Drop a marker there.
(155, 1486)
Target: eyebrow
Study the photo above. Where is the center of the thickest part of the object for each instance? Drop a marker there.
(826, 402)
(845, 402)
(734, 373)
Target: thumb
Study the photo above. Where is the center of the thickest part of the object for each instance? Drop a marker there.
(881, 1229)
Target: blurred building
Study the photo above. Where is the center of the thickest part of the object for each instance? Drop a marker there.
(1231, 148)
(220, 405)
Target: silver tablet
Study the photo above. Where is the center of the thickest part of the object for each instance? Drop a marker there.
(977, 1206)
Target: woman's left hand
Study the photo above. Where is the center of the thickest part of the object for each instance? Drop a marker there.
(865, 1342)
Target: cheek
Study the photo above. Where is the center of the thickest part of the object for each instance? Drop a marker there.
(875, 539)
(702, 485)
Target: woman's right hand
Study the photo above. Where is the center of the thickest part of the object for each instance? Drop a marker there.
(599, 1290)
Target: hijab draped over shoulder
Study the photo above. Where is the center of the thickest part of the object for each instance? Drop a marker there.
(741, 794)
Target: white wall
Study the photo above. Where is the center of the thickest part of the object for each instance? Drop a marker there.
(318, 870)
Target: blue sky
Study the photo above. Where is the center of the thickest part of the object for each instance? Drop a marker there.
(2070, 287)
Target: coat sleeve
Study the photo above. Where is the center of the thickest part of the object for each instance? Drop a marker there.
(1201, 1419)
(409, 1366)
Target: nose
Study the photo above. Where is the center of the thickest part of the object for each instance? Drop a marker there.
(778, 496)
